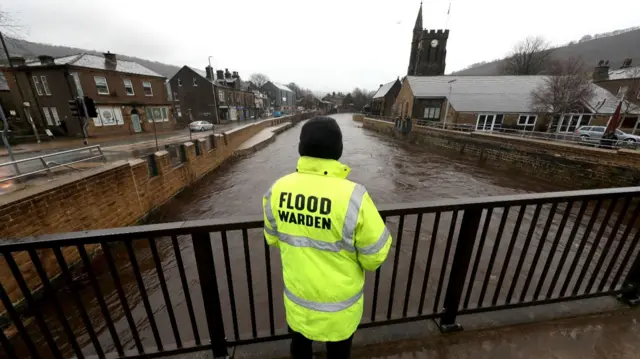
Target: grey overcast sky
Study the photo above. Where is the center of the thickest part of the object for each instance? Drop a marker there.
(329, 45)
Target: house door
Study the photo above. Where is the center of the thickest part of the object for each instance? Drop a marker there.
(135, 119)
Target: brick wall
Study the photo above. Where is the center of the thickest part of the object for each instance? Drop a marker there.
(575, 166)
(118, 194)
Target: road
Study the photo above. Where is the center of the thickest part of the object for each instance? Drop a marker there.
(122, 148)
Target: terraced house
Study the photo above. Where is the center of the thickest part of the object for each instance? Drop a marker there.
(129, 97)
(193, 95)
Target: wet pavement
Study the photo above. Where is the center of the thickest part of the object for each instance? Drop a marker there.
(393, 172)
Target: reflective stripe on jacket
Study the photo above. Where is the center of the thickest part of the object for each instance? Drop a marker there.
(328, 231)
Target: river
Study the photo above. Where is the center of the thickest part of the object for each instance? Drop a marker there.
(392, 171)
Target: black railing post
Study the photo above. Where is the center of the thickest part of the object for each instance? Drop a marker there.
(459, 268)
(631, 286)
(210, 296)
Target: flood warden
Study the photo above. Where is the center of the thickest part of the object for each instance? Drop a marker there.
(311, 205)
(329, 232)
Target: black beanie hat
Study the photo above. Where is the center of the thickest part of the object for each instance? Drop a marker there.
(321, 137)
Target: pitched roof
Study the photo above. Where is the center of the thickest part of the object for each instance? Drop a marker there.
(508, 94)
(282, 87)
(98, 62)
(382, 91)
(626, 73)
(4, 85)
(199, 72)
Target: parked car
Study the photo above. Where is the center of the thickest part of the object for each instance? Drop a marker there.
(596, 132)
(201, 126)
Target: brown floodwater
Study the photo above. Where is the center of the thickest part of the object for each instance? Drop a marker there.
(393, 172)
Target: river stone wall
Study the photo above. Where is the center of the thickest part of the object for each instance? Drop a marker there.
(573, 166)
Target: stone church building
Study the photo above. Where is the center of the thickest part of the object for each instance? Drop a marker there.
(428, 50)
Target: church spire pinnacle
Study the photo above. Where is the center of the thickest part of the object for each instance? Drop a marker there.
(418, 26)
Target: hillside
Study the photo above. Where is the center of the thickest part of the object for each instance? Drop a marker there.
(32, 49)
(613, 48)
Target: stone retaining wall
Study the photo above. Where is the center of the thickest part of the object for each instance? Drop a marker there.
(576, 166)
(115, 195)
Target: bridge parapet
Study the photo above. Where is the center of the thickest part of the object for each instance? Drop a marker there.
(451, 258)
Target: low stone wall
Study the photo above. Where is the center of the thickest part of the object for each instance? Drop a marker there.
(115, 195)
(358, 117)
(576, 166)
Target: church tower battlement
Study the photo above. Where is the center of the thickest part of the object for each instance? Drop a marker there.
(428, 50)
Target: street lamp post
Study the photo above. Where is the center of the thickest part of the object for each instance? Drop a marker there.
(213, 91)
(446, 111)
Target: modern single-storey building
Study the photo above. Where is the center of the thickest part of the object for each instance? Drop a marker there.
(495, 102)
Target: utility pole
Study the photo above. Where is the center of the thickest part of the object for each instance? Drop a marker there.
(213, 90)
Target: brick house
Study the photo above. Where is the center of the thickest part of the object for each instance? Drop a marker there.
(385, 98)
(7, 101)
(624, 81)
(282, 98)
(494, 102)
(129, 97)
(193, 91)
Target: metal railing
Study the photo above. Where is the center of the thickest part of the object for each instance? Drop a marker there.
(566, 137)
(382, 118)
(49, 166)
(165, 289)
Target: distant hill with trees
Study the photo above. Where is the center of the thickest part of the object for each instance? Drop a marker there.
(614, 46)
(29, 49)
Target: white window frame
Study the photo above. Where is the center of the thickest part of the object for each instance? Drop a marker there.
(526, 125)
(578, 122)
(494, 117)
(54, 114)
(195, 82)
(128, 84)
(106, 84)
(144, 88)
(221, 95)
(36, 83)
(47, 116)
(45, 85)
(179, 82)
(164, 114)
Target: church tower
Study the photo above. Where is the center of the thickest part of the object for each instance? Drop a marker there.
(415, 41)
(428, 50)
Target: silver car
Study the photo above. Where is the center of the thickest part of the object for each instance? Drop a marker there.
(201, 126)
(596, 132)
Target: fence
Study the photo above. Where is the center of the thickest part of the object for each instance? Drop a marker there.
(167, 289)
(29, 167)
(567, 137)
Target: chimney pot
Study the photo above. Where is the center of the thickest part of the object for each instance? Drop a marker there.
(17, 60)
(209, 71)
(46, 60)
(601, 72)
(219, 74)
(109, 57)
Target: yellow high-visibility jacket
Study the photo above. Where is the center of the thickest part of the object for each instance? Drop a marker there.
(329, 232)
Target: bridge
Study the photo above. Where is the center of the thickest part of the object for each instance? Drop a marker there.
(200, 286)
(562, 247)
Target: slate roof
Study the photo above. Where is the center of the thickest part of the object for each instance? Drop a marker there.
(199, 72)
(282, 87)
(4, 86)
(626, 73)
(98, 62)
(382, 91)
(507, 94)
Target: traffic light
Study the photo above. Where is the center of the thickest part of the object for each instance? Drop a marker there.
(73, 107)
(91, 107)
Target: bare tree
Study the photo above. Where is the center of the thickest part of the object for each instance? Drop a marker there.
(566, 89)
(259, 79)
(528, 57)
